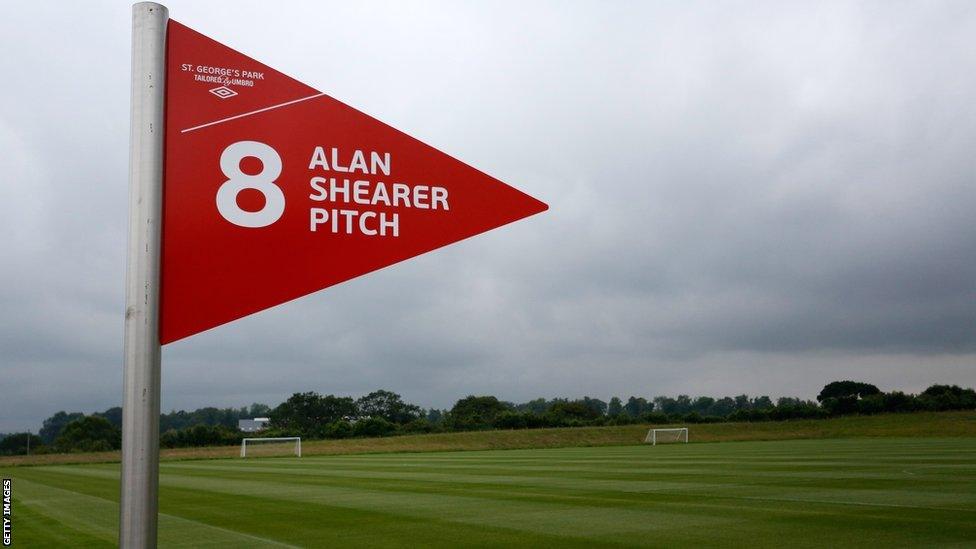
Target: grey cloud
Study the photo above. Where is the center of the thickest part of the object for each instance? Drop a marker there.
(755, 197)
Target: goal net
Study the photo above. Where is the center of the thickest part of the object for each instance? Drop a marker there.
(661, 436)
(271, 446)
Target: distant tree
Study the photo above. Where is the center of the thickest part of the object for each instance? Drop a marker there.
(742, 402)
(200, 435)
(842, 397)
(17, 444)
(942, 390)
(210, 415)
(842, 405)
(258, 410)
(511, 419)
(173, 421)
(656, 418)
(664, 404)
(762, 403)
(794, 408)
(213, 435)
(419, 425)
(897, 401)
(840, 389)
(534, 406)
(871, 404)
(435, 416)
(722, 407)
(53, 425)
(682, 404)
(947, 397)
(339, 429)
(616, 407)
(373, 427)
(702, 404)
(89, 434)
(636, 406)
(387, 405)
(476, 412)
(673, 406)
(309, 413)
(576, 409)
(595, 404)
(113, 415)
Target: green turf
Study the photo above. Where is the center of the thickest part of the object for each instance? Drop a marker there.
(801, 493)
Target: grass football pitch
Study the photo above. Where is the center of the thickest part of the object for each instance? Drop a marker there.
(883, 492)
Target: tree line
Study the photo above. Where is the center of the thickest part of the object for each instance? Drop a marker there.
(384, 413)
(102, 431)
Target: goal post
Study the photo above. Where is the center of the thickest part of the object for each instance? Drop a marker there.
(271, 446)
(655, 436)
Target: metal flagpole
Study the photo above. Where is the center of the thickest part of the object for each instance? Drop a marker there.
(138, 506)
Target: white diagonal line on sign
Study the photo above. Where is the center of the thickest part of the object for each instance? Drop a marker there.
(285, 104)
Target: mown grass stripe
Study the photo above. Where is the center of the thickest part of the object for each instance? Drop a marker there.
(96, 517)
(806, 493)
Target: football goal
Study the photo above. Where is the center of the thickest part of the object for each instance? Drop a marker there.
(656, 436)
(271, 446)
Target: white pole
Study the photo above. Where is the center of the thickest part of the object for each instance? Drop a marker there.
(138, 506)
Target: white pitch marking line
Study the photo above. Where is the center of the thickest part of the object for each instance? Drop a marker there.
(252, 112)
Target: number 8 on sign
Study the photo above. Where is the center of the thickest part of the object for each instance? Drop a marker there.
(263, 182)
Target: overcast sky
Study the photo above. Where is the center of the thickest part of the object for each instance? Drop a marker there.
(745, 197)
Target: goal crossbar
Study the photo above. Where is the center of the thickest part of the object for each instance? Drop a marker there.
(296, 440)
(678, 432)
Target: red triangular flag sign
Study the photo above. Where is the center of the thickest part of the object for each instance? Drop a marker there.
(274, 190)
